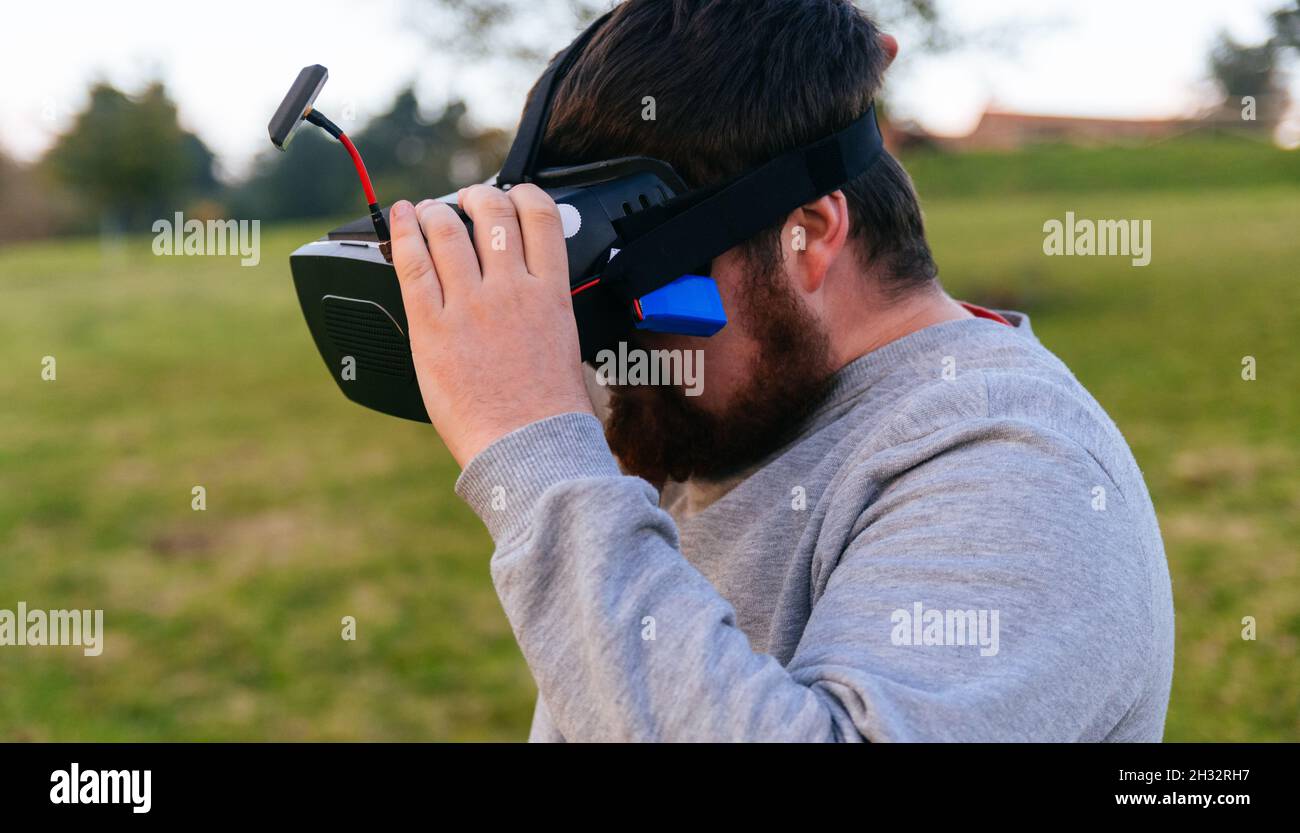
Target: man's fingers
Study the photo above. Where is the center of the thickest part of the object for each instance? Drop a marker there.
(543, 233)
(497, 238)
(449, 245)
(421, 292)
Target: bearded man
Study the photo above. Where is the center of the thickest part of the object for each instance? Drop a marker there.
(887, 516)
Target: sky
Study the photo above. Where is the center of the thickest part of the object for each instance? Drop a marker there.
(228, 64)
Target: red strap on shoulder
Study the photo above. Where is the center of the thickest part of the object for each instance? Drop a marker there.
(981, 312)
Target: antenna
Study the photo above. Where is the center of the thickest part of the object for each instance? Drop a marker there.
(297, 108)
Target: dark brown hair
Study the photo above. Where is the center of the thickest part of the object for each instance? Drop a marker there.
(736, 83)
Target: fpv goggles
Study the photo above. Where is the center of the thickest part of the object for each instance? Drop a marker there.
(636, 238)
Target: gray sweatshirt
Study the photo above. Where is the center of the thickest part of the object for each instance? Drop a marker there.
(958, 546)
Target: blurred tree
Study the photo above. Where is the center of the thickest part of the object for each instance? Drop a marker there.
(29, 206)
(1242, 70)
(129, 160)
(407, 156)
(1286, 26)
(312, 179)
(416, 157)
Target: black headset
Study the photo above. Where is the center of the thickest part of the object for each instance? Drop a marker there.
(638, 240)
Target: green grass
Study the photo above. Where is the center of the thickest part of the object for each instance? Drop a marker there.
(176, 372)
(225, 624)
(1188, 163)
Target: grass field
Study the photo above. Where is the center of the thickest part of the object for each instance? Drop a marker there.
(225, 624)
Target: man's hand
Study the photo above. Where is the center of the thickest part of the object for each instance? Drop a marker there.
(492, 329)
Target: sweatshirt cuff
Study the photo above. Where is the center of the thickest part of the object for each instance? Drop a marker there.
(504, 481)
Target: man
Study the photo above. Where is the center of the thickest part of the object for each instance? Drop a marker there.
(889, 515)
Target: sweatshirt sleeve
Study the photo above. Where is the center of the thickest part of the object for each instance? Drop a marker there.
(628, 642)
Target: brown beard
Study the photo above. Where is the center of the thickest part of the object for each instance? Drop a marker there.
(657, 432)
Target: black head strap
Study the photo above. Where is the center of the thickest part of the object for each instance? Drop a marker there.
(521, 161)
(664, 242)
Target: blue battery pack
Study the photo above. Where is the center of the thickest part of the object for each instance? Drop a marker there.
(689, 306)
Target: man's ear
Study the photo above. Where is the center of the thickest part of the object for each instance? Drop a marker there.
(890, 44)
(816, 234)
